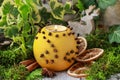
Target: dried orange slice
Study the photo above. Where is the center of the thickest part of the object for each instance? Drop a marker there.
(82, 44)
(90, 55)
(78, 70)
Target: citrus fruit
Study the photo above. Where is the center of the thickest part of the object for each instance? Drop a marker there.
(90, 55)
(55, 48)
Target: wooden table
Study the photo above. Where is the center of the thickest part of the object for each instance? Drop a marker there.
(63, 76)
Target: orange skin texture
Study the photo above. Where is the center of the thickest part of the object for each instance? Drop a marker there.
(45, 54)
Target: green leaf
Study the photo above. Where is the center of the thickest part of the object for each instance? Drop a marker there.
(35, 16)
(57, 9)
(103, 4)
(80, 5)
(52, 4)
(9, 13)
(87, 3)
(67, 6)
(6, 8)
(11, 31)
(45, 16)
(24, 10)
(114, 36)
(27, 27)
(3, 21)
(37, 2)
(68, 9)
(18, 2)
(33, 3)
(20, 22)
(34, 13)
(17, 22)
(14, 12)
(11, 19)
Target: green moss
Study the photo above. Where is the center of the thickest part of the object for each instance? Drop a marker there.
(12, 56)
(35, 75)
(109, 63)
(13, 73)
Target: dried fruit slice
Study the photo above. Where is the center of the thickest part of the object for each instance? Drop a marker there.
(78, 69)
(90, 55)
(82, 44)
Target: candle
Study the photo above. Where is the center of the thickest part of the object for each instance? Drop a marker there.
(56, 28)
(55, 47)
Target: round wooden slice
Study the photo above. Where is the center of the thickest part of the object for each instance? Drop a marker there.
(90, 55)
